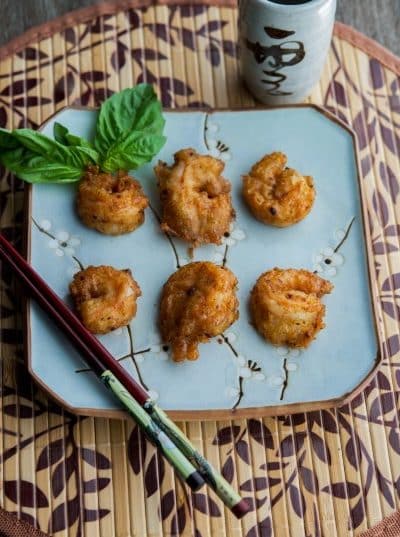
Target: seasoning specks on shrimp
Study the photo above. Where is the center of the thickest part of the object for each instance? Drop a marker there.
(112, 204)
(195, 198)
(286, 308)
(104, 297)
(198, 302)
(278, 195)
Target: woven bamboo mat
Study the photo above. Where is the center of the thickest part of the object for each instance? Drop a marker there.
(330, 473)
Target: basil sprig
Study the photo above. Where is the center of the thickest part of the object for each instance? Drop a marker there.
(34, 157)
(128, 134)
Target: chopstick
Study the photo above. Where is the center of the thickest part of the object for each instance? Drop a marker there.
(114, 376)
(160, 429)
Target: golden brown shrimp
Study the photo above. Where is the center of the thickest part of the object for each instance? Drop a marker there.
(277, 195)
(198, 302)
(286, 308)
(195, 198)
(104, 297)
(111, 204)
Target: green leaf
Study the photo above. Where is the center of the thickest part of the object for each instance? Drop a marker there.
(7, 141)
(134, 151)
(38, 159)
(64, 137)
(37, 169)
(129, 128)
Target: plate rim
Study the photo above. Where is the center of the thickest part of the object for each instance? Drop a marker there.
(221, 414)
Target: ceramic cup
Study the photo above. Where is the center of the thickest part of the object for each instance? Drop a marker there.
(283, 46)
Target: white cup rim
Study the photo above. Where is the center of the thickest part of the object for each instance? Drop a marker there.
(295, 7)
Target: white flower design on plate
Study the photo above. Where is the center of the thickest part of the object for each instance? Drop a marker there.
(287, 352)
(232, 237)
(327, 261)
(215, 147)
(63, 243)
(158, 348)
(249, 369)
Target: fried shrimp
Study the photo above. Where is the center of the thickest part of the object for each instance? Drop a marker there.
(286, 308)
(111, 204)
(195, 198)
(277, 195)
(104, 297)
(198, 302)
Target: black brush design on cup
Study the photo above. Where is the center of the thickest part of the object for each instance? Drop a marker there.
(279, 56)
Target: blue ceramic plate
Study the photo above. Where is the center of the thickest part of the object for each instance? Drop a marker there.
(239, 370)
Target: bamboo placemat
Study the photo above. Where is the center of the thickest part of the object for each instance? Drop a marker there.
(330, 473)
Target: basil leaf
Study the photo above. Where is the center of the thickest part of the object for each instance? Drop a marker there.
(7, 141)
(63, 136)
(125, 125)
(36, 158)
(137, 149)
(34, 168)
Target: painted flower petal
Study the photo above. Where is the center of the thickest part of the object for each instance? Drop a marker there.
(225, 156)
(53, 243)
(318, 258)
(294, 353)
(45, 224)
(212, 144)
(214, 152)
(327, 251)
(282, 351)
(229, 241)
(238, 234)
(337, 259)
(231, 337)
(69, 251)
(258, 376)
(291, 367)
(331, 271)
(74, 241)
(59, 252)
(155, 348)
(62, 236)
(212, 127)
(277, 381)
(244, 372)
(218, 258)
(318, 268)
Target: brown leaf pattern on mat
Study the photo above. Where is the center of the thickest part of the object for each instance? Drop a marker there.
(76, 470)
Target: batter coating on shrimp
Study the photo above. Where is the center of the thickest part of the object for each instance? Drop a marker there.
(104, 297)
(195, 198)
(278, 195)
(198, 302)
(286, 308)
(111, 204)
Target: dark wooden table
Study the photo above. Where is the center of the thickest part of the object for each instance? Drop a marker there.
(379, 19)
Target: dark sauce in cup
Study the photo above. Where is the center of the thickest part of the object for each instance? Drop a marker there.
(290, 2)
